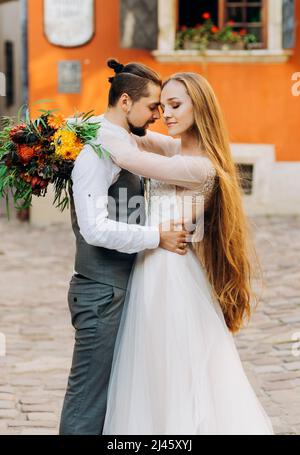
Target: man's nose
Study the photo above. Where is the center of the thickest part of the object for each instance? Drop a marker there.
(156, 115)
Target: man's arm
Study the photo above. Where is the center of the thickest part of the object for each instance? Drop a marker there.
(92, 178)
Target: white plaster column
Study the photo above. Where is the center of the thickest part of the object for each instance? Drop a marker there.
(274, 24)
(166, 24)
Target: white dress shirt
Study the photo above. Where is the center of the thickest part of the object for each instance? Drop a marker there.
(92, 177)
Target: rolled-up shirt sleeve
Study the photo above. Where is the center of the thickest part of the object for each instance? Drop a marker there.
(91, 178)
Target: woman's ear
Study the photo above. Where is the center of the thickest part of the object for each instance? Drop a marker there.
(125, 103)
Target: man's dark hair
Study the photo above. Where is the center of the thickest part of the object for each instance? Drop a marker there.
(132, 79)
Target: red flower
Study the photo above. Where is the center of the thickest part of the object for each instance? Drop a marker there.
(35, 182)
(17, 133)
(243, 32)
(214, 29)
(230, 23)
(25, 153)
(206, 16)
(184, 28)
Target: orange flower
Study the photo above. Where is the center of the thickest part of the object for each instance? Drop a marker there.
(25, 153)
(56, 121)
(214, 29)
(206, 16)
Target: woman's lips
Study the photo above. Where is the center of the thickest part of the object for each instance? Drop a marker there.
(171, 124)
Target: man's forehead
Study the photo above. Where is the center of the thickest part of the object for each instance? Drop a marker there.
(155, 101)
(154, 96)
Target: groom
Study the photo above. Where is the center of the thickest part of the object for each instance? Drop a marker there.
(109, 232)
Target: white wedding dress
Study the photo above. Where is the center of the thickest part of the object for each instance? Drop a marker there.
(176, 369)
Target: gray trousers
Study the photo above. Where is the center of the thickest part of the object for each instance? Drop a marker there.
(96, 312)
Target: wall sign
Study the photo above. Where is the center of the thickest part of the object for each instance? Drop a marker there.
(69, 23)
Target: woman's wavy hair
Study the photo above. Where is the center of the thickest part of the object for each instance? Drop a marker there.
(230, 259)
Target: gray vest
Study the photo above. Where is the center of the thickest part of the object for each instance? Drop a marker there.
(101, 264)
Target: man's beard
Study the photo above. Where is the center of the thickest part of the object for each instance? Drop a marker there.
(137, 130)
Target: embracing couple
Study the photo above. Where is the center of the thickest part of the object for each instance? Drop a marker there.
(158, 292)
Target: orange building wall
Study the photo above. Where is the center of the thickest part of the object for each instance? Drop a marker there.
(256, 98)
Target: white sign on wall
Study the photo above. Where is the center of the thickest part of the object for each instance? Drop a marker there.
(69, 23)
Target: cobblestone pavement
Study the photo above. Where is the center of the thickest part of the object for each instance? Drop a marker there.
(35, 268)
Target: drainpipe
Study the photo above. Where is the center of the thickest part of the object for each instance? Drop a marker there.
(24, 37)
(24, 215)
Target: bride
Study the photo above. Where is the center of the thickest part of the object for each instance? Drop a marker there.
(176, 369)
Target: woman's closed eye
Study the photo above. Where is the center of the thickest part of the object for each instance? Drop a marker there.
(173, 107)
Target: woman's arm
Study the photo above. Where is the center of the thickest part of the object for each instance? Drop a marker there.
(177, 170)
(158, 143)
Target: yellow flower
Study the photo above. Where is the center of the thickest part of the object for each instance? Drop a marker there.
(67, 145)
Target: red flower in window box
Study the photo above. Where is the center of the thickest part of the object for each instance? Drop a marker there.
(206, 16)
(230, 23)
(214, 29)
(243, 32)
(183, 28)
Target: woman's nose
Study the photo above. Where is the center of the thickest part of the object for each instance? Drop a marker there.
(166, 114)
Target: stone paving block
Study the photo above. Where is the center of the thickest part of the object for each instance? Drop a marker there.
(39, 432)
(7, 404)
(9, 413)
(42, 416)
(31, 424)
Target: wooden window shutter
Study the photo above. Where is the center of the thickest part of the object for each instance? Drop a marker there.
(288, 24)
(139, 24)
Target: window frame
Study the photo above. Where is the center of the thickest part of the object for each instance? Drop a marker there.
(264, 22)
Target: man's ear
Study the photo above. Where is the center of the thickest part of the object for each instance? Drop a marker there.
(125, 103)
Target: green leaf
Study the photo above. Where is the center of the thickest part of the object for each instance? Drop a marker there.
(43, 101)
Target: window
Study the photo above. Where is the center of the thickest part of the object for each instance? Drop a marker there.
(245, 172)
(9, 71)
(152, 25)
(248, 15)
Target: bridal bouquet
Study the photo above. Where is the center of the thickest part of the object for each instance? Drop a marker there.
(39, 152)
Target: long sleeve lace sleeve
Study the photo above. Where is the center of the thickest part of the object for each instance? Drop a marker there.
(185, 171)
(158, 143)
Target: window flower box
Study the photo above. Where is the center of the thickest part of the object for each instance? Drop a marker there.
(209, 36)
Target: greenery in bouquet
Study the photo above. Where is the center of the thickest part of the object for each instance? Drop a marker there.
(37, 152)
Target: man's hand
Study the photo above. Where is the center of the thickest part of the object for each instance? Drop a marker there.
(173, 237)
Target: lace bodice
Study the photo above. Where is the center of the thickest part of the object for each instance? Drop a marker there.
(165, 202)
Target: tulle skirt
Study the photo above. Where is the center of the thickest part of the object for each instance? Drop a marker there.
(176, 369)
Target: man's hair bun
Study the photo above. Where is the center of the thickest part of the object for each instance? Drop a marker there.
(115, 65)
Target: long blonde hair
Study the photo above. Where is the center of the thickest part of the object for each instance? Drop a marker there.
(229, 252)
